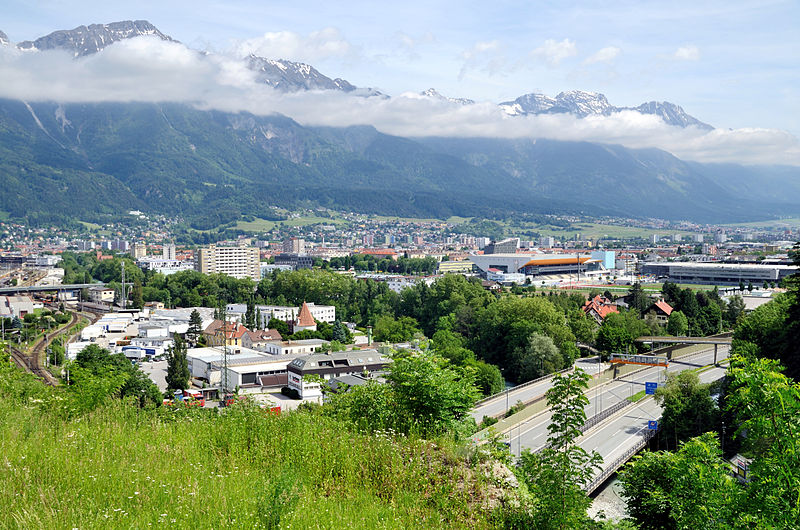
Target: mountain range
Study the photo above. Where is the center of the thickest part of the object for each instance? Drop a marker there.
(90, 161)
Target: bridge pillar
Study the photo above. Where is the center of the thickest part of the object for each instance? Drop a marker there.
(715, 354)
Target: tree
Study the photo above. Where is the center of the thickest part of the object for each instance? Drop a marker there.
(98, 375)
(387, 329)
(637, 299)
(691, 488)
(177, 366)
(281, 326)
(136, 294)
(688, 409)
(735, 310)
(766, 404)
(556, 476)
(488, 378)
(539, 357)
(613, 339)
(678, 324)
(195, 326)
(341, 333)
(431, 395)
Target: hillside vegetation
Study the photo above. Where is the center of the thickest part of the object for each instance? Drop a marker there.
(122, 466)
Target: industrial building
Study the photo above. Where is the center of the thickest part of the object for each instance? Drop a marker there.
(534, 264)
(717, 273)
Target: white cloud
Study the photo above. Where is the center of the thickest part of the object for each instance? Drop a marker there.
(553, 52)
(316, 46)
(149, 70)
(603, 55)
(687, 53)
(484, 55)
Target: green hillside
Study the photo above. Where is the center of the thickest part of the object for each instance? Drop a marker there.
(91, 161)
(124, 467)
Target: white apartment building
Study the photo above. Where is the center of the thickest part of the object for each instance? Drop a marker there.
(239, 262)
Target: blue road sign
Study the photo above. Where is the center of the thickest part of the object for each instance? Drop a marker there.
(652, 425)
(650, 388)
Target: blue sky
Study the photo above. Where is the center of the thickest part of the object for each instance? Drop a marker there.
(733, 64)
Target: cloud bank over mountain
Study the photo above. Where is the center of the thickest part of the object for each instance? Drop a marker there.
(147, 69)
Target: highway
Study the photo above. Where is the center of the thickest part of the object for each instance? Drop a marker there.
(498, 405)
(626, 431)
(532, 434)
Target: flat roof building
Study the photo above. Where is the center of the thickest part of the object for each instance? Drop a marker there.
(239, 262)
(332, 365)
(717, 273)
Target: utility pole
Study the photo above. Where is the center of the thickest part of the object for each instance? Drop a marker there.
(224, 378)
(122, 265)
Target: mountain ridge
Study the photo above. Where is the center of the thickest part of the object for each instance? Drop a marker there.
(290, 76)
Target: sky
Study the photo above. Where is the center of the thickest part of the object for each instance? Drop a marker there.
(733, 64)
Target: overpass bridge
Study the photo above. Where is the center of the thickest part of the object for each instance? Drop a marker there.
(625, 433)
(605, 400)
(723, 339)
(47, 288)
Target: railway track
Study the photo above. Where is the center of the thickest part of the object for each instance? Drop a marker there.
(32, 362)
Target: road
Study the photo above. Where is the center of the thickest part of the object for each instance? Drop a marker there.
(498, 405)
(532, 434)
(627, 430)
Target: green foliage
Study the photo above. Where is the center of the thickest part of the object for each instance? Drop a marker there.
(688, 489)
(678, 324)
(555, 476)
(767, 406)
(387, 329)
(688, 409)
(124, 467)
(539, 357)
(432, 396)
(177, 366)
(96, 376)
(195, 326)
(762, 333)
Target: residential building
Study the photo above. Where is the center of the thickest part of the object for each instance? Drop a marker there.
(168, 251)
(599, 308)
(506, 246)
(101, 295)
(294, 245)
(547, 242)
(332, 365)
(660, 311)
(294, 347)
(239, 262)
(139, 250)
(295, 261)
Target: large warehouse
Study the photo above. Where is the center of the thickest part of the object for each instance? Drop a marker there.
(534, 264)
(717, 273)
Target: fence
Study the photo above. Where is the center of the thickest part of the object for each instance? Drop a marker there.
(616, 464)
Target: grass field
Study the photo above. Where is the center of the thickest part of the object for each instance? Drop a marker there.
(774, 223)
(123, 467)
(599, 231)
(263, 225)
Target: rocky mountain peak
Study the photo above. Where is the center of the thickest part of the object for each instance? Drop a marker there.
(583, 104)
(434, 94)
(83, 40)
(3, 39)
(671, 113)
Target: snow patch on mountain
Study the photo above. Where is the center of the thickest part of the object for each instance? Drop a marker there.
(583, 104)
(83, 40)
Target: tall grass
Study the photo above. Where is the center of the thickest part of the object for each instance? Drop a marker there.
(120, 466)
